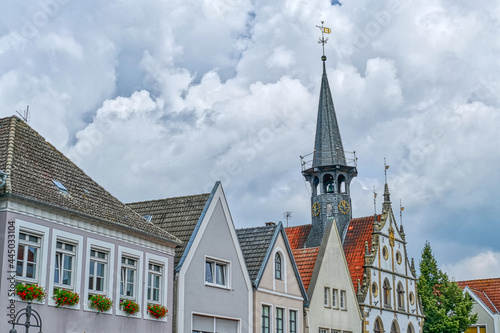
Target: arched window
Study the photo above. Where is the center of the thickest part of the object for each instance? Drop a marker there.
(394, 327)
(410, 328)
(277, 266)
(328, 184)
(387, 293)
(342, 184)
(401, 296)
(378, 328)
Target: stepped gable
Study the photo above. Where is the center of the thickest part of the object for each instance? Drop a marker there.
(254, 243)
(39, 173)
(487, 290)
(179, 216)
(360, 230)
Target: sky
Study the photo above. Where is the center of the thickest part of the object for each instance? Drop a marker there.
(157, 99)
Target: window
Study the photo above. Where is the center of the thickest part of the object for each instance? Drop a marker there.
(385, 252)
(343, 300)
(412, 298)
(327, 296)
(394, 327)
(323, 330)
(335, 296)
(64, 263)
(410, 328)
(277, 266)
(28, 250)
(266, 325)
(374, 289)
(401, 296)
(128, 277)
(378, 327)
(97, 271)
(387, 293)
(216, 273)
(154, 282)
(399, 258)
(279, 320)
(293, 321)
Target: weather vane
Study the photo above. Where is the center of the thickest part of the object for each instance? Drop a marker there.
(323, 40)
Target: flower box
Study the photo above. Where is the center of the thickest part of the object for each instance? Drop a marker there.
(30, 292)
(157, 311)
(129, 307)
(64, 297)
(100, 303)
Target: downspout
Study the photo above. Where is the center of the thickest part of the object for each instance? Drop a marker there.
(3, 177)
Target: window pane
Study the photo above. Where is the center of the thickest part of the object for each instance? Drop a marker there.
(32, 254)
(221, 278)
(30, 271)
(208, 273)
(68, 262)
(100, 269)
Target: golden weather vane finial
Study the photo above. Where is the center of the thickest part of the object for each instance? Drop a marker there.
(322, 39)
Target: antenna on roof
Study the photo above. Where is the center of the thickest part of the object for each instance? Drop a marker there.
(26, 114)
(287, 215)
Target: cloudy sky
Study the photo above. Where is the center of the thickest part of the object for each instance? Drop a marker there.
(155, 99)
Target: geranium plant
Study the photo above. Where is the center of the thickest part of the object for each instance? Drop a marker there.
(29, 292)
(130, 307)
(65, 297)
(100, 303)
(157, 311)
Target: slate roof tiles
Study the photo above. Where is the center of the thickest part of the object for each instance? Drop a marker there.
(33, 164)
(254, 243)
(179, 216)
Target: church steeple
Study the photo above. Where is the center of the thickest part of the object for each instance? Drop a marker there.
(328, 149)
(328, 171)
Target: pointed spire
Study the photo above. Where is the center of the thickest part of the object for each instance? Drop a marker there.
(387, 195)
(328, 148)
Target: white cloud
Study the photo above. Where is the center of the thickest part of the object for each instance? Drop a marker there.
(483, 265)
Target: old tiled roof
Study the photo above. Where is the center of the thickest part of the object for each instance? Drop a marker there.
(488, 290)
(254, 243)
(360, 230)
(305, 259)
(179, 216)
(34, 164)
(297, 236)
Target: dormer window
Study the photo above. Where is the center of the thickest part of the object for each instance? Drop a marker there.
(277, 267)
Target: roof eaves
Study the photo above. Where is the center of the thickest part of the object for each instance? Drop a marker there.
(197, 227)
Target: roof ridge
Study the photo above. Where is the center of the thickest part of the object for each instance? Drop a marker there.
(10, 153)
(171, 198)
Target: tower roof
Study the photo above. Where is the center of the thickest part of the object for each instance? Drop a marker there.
(328, 149)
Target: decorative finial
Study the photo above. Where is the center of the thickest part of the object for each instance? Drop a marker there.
(401, 208)
(374, 205)
(323, 40)
(387, 196)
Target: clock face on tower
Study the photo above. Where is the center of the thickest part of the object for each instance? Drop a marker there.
(344, 207)
(315, 209)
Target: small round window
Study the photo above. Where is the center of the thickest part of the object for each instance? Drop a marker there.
(374, 289)
(399, 257)
(385, 253)
(412, 298)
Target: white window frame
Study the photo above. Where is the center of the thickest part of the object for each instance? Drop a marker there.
(43, 233)
(94, 262)
(227, 271)
(283, 320)
(129, 267)
(335, 298)
(73, 239)
(343, 300)
(109, 248)
(326, 297)
(163, 261)
(271, 316)
(297, 329)
(139, 256)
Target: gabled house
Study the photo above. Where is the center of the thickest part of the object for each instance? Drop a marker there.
(384, 278)
(62, 231)
(333, 307)
(279, 295)
(485, 294)
(213, 292)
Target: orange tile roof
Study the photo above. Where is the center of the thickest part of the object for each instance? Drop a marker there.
(305, 260)
(488, 290)
(360, 230)
(297, 236)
